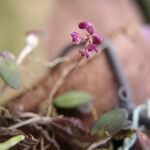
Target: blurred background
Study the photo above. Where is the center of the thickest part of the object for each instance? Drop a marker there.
(16, 19)
(144, 5)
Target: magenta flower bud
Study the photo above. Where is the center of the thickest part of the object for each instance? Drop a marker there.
(83, 25)
(76, 37)
(90, 28)
(92, 47)
(97, 39)
(87, 25)
(84, 52)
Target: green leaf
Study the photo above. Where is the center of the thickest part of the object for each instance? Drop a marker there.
(72, 99)
(9, 72)
(11, 142)
(110, 122)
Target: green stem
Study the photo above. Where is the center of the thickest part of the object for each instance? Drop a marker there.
(11, 142)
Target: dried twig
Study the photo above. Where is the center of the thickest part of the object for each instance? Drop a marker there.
(42, 143)
(47, 137)
(65, 73)
(38, 120)
(55, 62)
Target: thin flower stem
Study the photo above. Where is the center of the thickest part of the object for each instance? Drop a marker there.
(53, 63)
(47, 137)
(32, 41)
(23, 54)
(66, 72)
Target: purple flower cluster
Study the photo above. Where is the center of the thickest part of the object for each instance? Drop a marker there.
(91, 39)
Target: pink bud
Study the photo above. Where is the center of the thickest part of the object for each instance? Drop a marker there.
(91, 39)
(83, 25)
(91, 47)
(97, 39)
(84, 52)
(87, 25)
(90, 28)
(76, 37)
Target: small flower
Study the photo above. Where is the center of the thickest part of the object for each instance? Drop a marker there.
(92, 47)
(32, 41)
(86, 25)
(97, 39)
(76, 37)
(83, 25)
(90, 28)
(84, 52)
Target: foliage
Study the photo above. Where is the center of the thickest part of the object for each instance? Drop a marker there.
(9, 70)
(72, 99)
(54, 131)
(11, 142)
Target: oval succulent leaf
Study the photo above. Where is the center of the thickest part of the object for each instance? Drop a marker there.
(110, 122)
(9, 72)
(72, 99)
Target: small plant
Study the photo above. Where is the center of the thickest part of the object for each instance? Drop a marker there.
(91, 39)
(52, 130)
